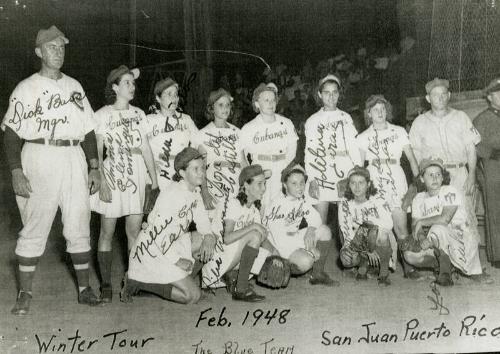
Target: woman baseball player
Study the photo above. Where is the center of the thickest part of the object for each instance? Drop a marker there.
(243, 234)
(166, 253)
(169, 131)
(269, 139)
(366, 226)
(219, 141)
(382, 145)
(121, 129)
(331, 148)
(440, 227)
(296, 231)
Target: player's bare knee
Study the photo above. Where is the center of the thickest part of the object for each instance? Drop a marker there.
(254, 239)
(195, 295)
(413, 258)
(304, 263)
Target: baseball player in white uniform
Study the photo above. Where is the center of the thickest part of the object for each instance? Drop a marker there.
(50, 112)
(219, 141)
(269, 139)
(165, 253)
(121, 129)
(169, 131)
(331, 149)
(296, 231)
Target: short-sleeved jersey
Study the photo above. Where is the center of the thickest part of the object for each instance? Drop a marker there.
(259, 137)
(445, 137)
(426, 206)
(223, 149)
(241, 214)
(168, 136)
(331, 150)
(285, 215)
(42, 108)
(352, 214)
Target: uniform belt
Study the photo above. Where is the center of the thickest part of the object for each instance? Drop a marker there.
(271, 157)
(341, 153)
(454, 165)
(226, 164)
(56, 142)
(380, 161)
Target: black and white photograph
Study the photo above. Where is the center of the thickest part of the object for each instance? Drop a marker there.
(249, 176)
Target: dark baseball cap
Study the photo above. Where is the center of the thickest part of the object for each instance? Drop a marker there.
(120, 71)
(252, 171)
(215, 95)
(431, 161)
(164, 84)
(291, 168)
(493, 86)
(183, 158)
(47, 35)
(435, 83)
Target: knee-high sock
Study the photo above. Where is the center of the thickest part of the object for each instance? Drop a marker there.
(27, 267)
(81, 265)
(105, 259)
(196, 268)
(384, 253)
(248, 256)
(323, 248)
(444, 263)
(162, 290)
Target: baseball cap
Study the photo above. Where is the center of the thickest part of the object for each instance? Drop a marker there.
(373, 100)
(260, 89)
(361, 171)
(435, 83)
(47, 35)
(120, 71)
(288, 171)
(252, 171)
(164, 84)
(493, 86)
(431, 161)
(216, 94)
(183, 158)
(329, 77)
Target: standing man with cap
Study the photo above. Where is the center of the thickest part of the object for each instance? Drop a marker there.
(488, 125)
(166, 253)
(448, 134)
(50, 112)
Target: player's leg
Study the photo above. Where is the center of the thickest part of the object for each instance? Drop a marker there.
(400, 221)
(301, 261)
(184, 291)
(196, 241)
(323, 238)
(322, 208)
(105, 256)
(384, 251)
(133, 225)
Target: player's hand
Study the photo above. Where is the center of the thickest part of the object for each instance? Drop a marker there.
(94, 181)
(470, 184)
(207, 247)
(373, 259)
(310, 239)
(20, 183)
(417, 230)
(105, 193)
(185, 264)
(314, 189)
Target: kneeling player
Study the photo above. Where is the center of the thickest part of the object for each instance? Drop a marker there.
(163, 256)
(366, 226)
(296, 230)
(243, 235)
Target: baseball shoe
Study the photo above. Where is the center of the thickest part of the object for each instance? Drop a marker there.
(249, 295)
(444, 279)
(87, 297)
(126, 293)
(322, 279)
(413, 274)
(384, 281)
(483, 278)
(22, 304)
(106, 293)
(230, 279)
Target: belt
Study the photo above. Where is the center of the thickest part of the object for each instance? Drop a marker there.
(341, 153)
(271, 157)
(380, 161)
(226, 164)
(57, 142)
(454, 165)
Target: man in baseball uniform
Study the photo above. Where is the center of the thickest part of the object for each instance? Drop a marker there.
(49, 111)
(448, 134)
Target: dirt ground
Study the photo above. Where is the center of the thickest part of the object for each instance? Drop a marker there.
(405, 317)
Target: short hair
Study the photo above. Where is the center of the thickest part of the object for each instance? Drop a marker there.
(370, 191)
(371, 102)
(444, 172)
(242, 195)
(295, 170)
(318, 100)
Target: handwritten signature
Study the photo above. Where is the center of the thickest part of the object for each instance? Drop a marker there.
(437, 300)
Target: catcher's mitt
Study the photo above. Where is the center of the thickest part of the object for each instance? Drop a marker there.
(365, 239)
(275, 272)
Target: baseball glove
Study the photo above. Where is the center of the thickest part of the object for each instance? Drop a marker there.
(365, 239)
(275, 272)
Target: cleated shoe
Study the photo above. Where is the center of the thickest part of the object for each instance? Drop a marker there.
(106, 293)
(384, 281)
(87, 297)
(322, 279)
(249, 295)
(444, 279)
(22, 306)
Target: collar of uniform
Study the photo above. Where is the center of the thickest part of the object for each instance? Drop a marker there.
(184, 185)
(277, 118)
(436, 119)
(494, 110)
